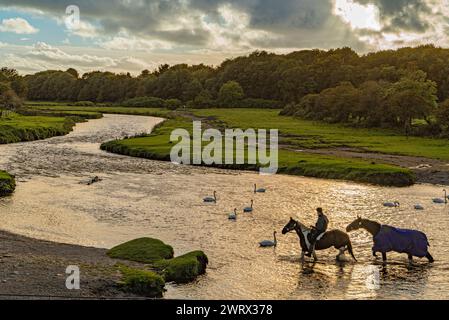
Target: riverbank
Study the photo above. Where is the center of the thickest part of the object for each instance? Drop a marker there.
(34, 268)
(7, 183)
(19, 128)
(157, 146)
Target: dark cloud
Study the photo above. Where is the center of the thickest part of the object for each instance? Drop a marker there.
(408, 15)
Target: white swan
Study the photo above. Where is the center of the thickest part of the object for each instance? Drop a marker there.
(249, 209)
(233, 216)
(392, 204)
(211, 199)
(260, 190)
(441, 201)
(269, 243)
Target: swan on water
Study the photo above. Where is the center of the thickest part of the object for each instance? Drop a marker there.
(249, 209)
(439, 200)
(419, 207)
(269, 243)
(211, 199)
(233, 216)
(260, 190)
(392, 204)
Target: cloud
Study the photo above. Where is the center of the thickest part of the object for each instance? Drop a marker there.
(42, 56)
(204, 24)
(403, 15)
(17, 25)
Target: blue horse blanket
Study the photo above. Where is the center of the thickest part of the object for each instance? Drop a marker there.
(411, 242)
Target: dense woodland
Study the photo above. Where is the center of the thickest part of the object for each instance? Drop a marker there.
(395, 88)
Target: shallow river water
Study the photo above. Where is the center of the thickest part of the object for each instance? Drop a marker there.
(139, 197)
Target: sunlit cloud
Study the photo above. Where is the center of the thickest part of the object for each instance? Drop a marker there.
(358, 16)
(18, 26)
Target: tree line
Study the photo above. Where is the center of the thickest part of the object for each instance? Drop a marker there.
(390, 88)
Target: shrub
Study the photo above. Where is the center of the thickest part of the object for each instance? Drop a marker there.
(173, 104)
(146, 250)
(83, 104)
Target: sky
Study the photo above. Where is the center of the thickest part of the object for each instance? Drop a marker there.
(133, 35)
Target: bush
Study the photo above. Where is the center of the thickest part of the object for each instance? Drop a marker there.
(83, 104)
(145, 102)
(145, 250)
(173, 104)
(185, 268)
(146, 283)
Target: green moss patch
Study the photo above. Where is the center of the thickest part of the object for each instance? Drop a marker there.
(145, 250)
(145, 283)
(185, 268)
(7, 184)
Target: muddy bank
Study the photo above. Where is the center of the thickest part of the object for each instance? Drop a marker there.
(35, 268)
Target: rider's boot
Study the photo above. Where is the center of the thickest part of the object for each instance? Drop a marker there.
(311, 251)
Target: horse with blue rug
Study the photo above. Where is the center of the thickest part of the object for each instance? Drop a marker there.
(390, 239)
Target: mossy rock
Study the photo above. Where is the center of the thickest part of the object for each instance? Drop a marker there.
(7, 184)
(141, 282)
(184, 268)
(145, 250)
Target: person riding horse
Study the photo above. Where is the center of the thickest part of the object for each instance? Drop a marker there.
(319, 229)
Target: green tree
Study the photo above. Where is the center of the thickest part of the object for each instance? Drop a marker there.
(413, 97)
(231, 93)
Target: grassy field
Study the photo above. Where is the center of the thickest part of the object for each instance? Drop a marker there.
(7, 183)
(19, 128)
(158, 146)
(316, 135)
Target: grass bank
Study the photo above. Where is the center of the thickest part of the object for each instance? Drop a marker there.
(20, 128)
(318, 135)
(7, 184)
(157, 146)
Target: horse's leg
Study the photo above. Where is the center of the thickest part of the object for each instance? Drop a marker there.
(410, 258)
(315, 258)
(302, 255)
(384, 256)
(375, 254)
(430, 258)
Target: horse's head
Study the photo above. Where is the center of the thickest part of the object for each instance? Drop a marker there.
(291, 225)
(356, 225)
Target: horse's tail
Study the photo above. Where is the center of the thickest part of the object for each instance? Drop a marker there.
(351, 252)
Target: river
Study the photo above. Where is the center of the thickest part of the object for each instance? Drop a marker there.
(139, 197)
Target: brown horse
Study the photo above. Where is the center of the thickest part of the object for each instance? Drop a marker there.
(387, 239)
(335, 238)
